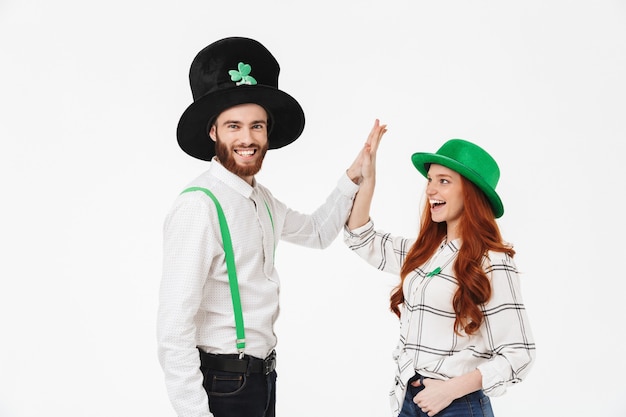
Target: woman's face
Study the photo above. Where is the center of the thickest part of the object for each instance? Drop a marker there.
(445, 195)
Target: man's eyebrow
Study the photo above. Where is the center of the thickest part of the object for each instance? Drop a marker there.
(230, 122)
(238, 122)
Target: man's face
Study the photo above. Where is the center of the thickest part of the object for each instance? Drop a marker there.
(240, 135)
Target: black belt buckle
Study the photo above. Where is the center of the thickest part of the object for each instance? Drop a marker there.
(269, 363)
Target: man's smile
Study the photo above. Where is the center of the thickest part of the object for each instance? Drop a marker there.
(245, 152)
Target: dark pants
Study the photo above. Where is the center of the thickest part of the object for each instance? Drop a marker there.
(476, 404)
(240, 394)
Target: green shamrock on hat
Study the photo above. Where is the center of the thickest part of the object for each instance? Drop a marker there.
(242, 74)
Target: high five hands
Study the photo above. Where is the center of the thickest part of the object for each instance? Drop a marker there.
(364, 166)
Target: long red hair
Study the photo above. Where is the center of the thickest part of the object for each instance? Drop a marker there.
(479, 234)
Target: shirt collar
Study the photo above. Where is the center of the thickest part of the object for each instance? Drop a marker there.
(231, 180)
(452, 246)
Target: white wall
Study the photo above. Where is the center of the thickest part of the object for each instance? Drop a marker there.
(90, 95)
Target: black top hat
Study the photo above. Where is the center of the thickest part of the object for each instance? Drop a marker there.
(230, 72)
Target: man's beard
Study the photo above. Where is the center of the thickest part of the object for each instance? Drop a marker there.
(225, 156)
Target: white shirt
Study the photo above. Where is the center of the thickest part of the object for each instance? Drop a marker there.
(195, 305)
(503, 349)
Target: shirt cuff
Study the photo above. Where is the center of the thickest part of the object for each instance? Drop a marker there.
(358, 232)
(346, 186)
(493, 385)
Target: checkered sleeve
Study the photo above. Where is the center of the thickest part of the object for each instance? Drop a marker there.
(506, 328)
(378, 248)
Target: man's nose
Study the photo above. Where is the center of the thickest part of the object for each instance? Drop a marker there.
(246, 136)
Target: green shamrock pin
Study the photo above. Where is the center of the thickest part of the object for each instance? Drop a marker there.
(242, 76)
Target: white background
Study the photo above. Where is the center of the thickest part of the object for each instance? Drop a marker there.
(90, 96)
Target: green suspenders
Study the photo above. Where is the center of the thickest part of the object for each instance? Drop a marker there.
(230, 266)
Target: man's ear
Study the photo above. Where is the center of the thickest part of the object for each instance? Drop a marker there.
(212, 133)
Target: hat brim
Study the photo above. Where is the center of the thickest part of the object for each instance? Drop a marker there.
(422, 161)
(287, 117)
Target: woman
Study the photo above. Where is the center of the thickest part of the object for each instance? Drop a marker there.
(464, 332)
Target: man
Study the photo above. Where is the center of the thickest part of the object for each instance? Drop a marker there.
(238, 114)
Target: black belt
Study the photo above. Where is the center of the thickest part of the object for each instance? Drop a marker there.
(232, 363)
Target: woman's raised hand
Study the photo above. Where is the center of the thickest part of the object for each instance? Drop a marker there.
(365, 163)
(368, 156)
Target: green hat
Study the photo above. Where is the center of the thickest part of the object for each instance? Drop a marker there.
(469, 160)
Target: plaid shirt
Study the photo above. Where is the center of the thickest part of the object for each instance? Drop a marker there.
(502, 350)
